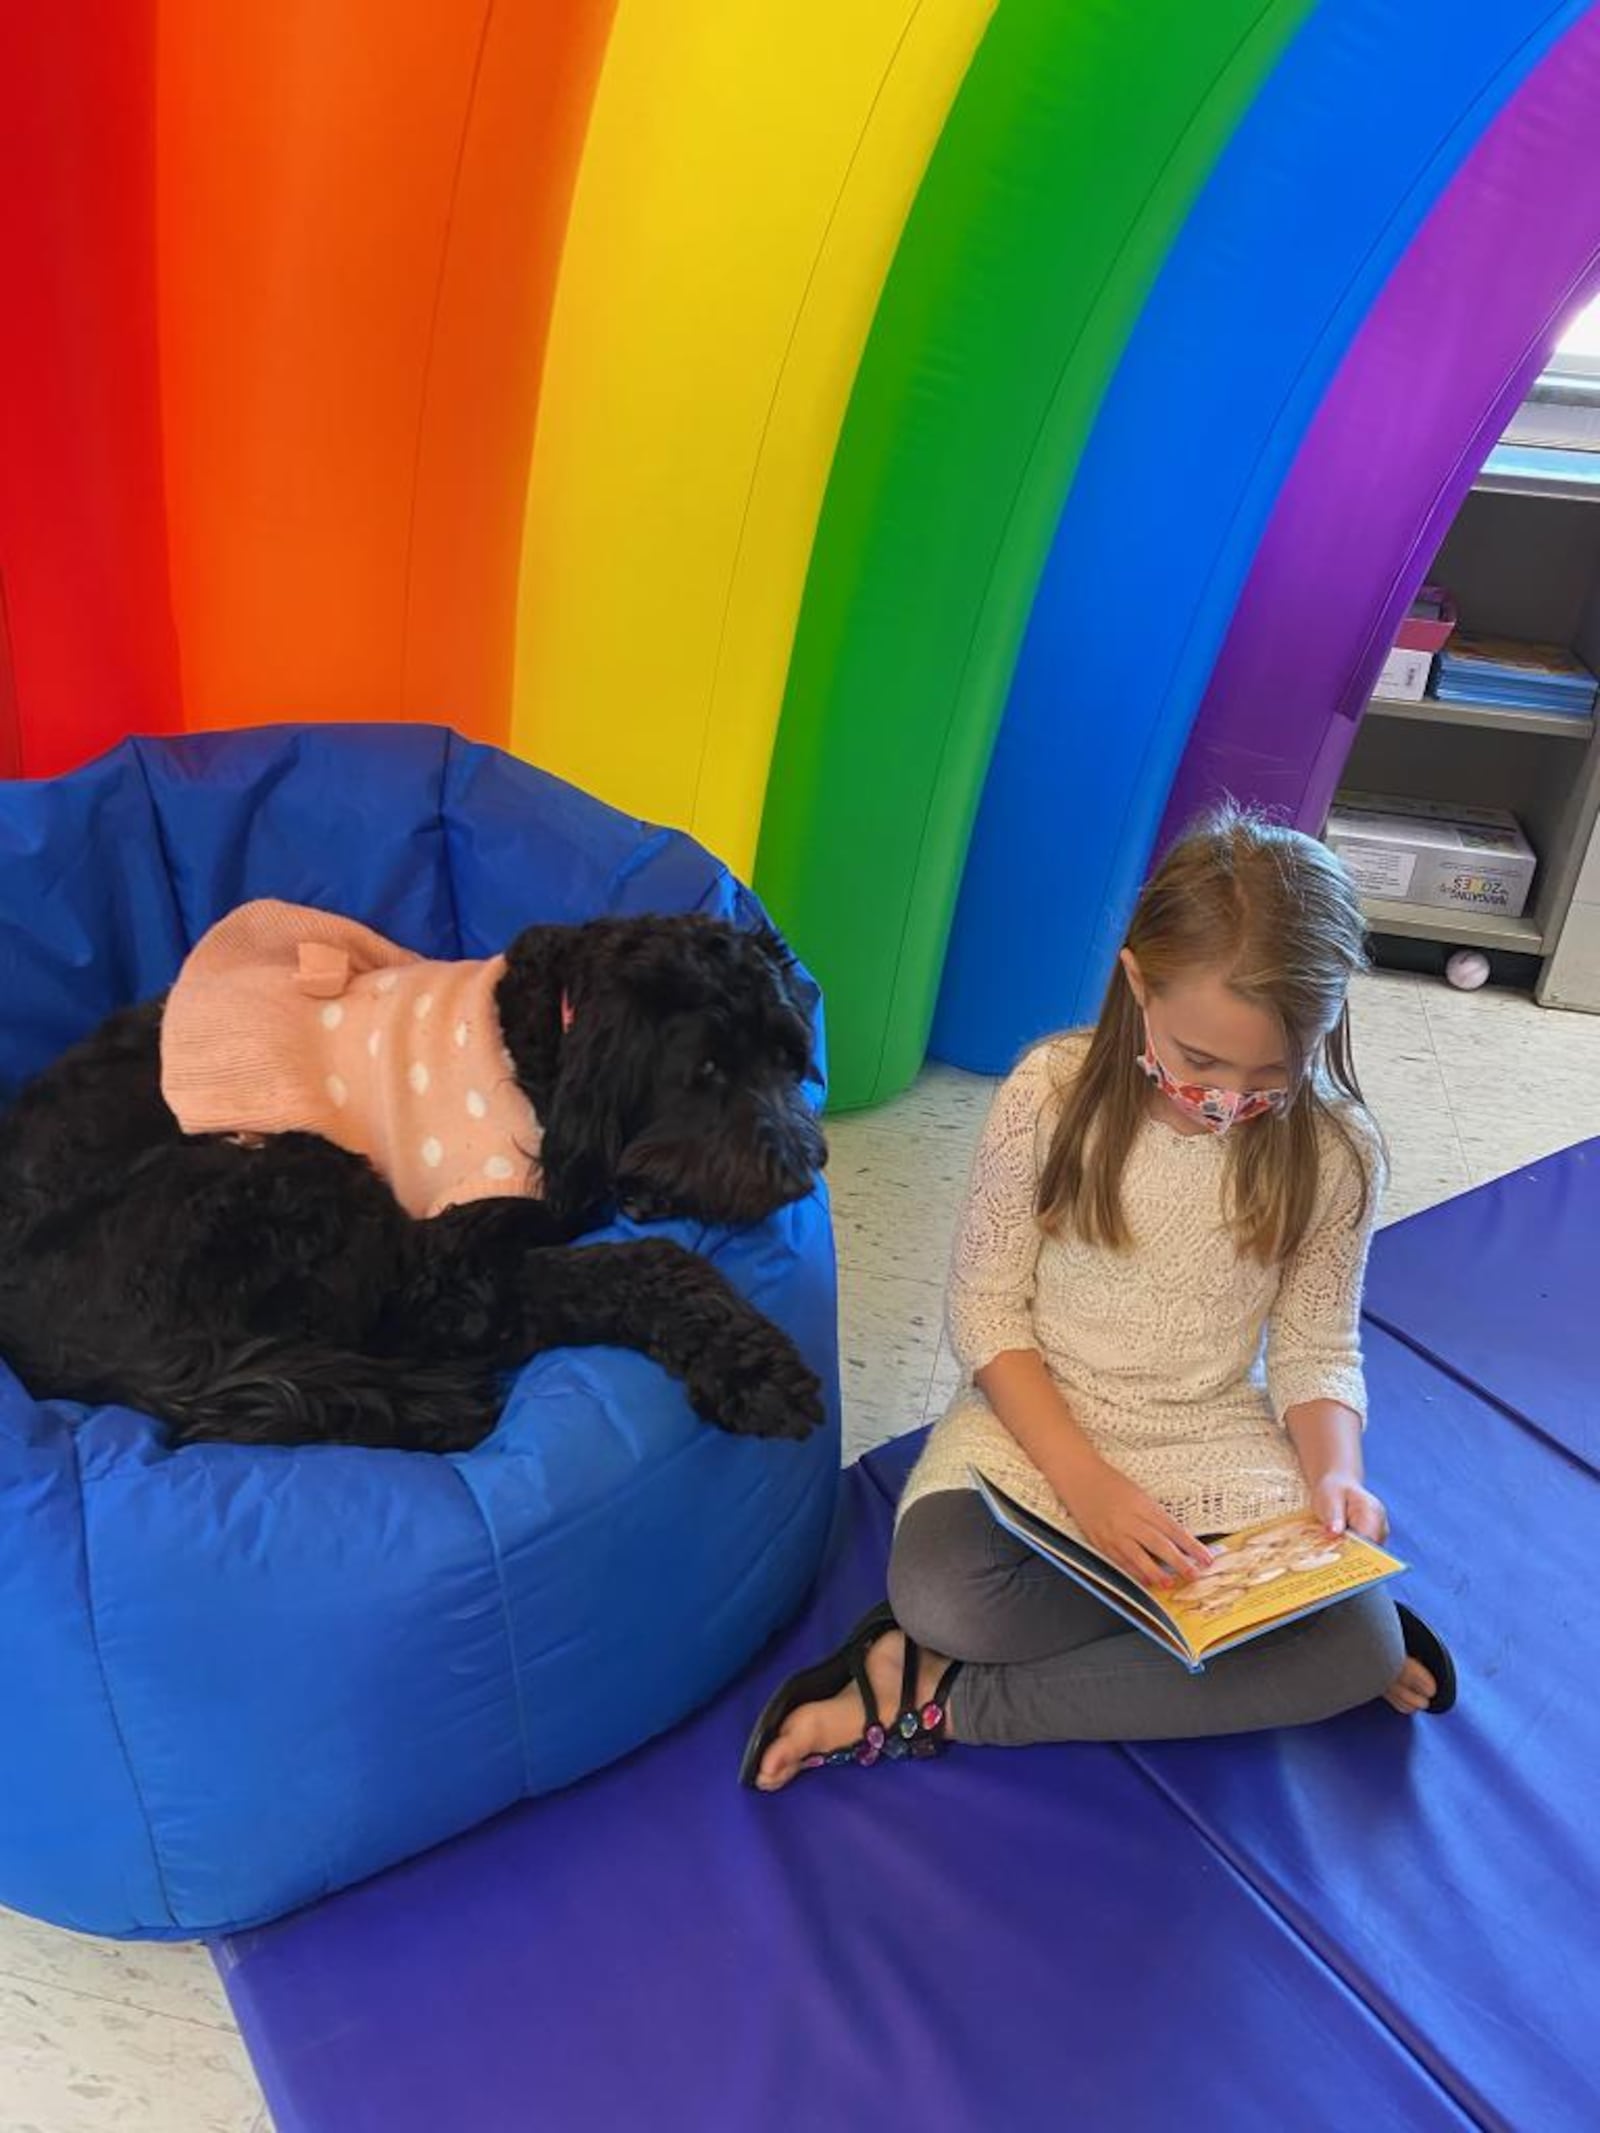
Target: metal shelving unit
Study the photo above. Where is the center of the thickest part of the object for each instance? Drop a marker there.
(1461, 929)
(1494, 718)
(1524, 560)
(1530, 470)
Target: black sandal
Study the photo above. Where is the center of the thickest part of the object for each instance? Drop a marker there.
(1428, 1649)
(918, 1730)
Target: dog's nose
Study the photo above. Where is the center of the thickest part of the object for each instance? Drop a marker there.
(797, 1142)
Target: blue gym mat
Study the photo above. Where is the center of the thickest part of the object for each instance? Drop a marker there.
(1369, 1923)
(1502, 1288)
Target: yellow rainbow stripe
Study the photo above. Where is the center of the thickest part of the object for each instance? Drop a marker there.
(742, 190)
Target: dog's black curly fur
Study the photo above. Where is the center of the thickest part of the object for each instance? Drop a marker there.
(279, 1294)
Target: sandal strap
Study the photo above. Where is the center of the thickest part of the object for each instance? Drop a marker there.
(874, 1739)
(864, 1689)
(910, 1666)
(918, 1729)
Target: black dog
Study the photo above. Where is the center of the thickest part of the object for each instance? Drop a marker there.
(278, 1293)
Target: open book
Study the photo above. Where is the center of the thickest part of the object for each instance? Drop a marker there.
(1262, 1577)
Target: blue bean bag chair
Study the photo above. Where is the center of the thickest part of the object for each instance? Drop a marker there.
(235, 1678)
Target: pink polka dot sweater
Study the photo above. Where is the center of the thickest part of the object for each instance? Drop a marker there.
(284, 1019)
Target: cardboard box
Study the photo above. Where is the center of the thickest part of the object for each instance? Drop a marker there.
(1428, 852)
(1404, 679)
(1432, 618)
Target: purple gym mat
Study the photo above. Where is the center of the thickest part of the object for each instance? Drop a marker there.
(1042, 1935)
(1362, 1923)
(1439, 1281)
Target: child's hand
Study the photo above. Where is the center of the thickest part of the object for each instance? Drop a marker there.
(1130, 1528)
(1342, 1502)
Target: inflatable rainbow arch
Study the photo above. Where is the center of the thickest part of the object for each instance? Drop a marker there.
(917, 445)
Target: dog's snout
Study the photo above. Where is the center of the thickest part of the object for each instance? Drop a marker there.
(791, 1145)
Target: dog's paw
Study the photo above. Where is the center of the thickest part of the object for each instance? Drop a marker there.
(770, 1395)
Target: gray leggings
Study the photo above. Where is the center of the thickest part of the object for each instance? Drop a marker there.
(1045, 1661)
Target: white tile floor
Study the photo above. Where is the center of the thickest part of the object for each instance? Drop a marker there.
(99, 2038)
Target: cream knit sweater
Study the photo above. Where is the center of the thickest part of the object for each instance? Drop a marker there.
(1178, 1358)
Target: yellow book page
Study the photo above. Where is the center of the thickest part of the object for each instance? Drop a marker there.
(1264, 1573)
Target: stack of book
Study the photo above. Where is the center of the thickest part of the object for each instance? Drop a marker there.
(1503, 671)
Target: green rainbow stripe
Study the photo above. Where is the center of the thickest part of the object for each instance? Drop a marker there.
(1068, 162)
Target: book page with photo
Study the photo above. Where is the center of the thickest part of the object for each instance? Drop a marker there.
(1269, 1573)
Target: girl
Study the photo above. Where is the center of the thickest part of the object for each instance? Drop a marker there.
(1156, 1291)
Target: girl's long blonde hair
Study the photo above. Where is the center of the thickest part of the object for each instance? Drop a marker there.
(1274, 915)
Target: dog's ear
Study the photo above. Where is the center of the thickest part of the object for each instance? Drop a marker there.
(584, 1057)
(797, 991)
(597, 1100)
(541, 966)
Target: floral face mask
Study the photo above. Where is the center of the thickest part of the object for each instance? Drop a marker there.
(1214, 1109)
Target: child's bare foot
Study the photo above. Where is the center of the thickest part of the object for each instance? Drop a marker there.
(819, 1728)
(1413, 1689)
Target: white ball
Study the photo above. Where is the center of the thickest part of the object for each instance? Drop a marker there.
(1467, 969)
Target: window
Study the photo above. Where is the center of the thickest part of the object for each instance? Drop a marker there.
(1562, 410)
(1577, 353)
